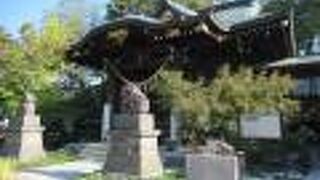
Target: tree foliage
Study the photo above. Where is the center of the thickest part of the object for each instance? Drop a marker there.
(227, 96)
(306, 15)
(33, 62)
(5, 40)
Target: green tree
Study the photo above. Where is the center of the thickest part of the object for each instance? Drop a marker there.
(32, 64)
(4, 38)
(307, 15)
(82, 13)
(228, 95)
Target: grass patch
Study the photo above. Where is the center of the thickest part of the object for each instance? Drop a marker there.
(172, 175)
(168, 175)
(8, 166)
(51, 158)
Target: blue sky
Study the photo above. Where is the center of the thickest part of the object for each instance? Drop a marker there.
(13, 13)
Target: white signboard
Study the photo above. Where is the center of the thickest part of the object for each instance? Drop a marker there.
(261, 126)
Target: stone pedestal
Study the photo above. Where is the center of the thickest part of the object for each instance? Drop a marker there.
(31, 145)
(174, 127)
(25, 138)
(134, 146)
(105, 122)
(216, 161)
(133, 140)
(212, 167)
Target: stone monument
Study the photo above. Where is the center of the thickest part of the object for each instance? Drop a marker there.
(217, 161)
(25, 138)
(133, 144)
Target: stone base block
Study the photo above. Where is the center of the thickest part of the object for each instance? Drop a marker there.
(133, 147)
(26, 144)
(31, 144)
(212, 167)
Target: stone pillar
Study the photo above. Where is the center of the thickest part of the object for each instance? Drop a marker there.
(25, 138)
(105, 124)
(133, 143)
(174, 127)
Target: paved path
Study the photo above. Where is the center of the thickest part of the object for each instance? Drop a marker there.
(68, 171)
(314, 174)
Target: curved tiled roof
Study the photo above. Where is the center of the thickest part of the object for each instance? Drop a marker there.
(296, 61)
(149, 31)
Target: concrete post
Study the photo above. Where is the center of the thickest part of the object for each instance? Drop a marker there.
(174, 126)
(105, 125)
